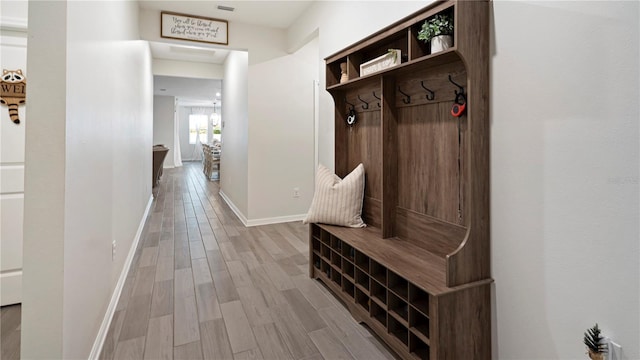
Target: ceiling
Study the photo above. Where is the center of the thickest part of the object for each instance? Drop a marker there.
(201, 92)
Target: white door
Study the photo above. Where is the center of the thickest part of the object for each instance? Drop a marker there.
(13, 56)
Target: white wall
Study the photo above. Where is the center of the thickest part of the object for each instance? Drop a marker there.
(187, 69)
(564, 165)
(163, 125)
(234, 162)
(329, 19)
(274, 123)
(565, 176)
(13, 56)
(281, 142)
(88, 167)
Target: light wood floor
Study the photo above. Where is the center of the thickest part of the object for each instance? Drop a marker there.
(10, 332)
(203, 286)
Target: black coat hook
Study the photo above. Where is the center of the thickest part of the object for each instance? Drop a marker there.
(406, 99)
(350, 104)
(374, 95)
(366, 104)
(430, 94)
(458, 85)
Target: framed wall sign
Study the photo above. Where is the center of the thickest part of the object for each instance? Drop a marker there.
(194, 28)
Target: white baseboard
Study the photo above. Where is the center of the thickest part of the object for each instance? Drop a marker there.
(234, 208)
(263, 221)
(275, 220)
(111, 309)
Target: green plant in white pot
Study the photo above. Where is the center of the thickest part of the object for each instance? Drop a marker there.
(439, 31)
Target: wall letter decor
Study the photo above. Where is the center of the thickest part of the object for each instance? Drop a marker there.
(14, 89)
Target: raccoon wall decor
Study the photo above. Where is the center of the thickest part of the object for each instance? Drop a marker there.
(13, 89)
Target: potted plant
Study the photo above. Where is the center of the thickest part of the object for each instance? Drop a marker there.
(595, 344)
(439, 31)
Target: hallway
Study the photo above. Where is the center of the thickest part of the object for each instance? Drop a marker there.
(204, 286)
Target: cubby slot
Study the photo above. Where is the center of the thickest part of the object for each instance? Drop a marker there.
(398, 330)
(379, 292)
(316, 245)
(333, 72)
(419, 299)
(378, 272)
(418, 323)
(325, 252)
(348, 287)
(362, 279)
(419, 48)
(348, 252)
(399, 285)
(362, 299)
(418, 348)
(379, 314)
(315, 231)
(362, 261)
(316, 261)
(336, 259)
(348, 269)
(336, 277)
(325, 237)
(398, 307)
(336, 244)
(326, 269)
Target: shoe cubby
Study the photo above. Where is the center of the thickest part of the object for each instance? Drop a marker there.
(398, 307)
(325, 252)
(349, 253)
(336, 259)
(348, 269)
(419, 299)
(347, 287)
(419, 348)
(362, 299)
(418, 323)
(362, 279)
(399, 286)
(379, 292)
(362, 261)
(379, 314)
(336, 277)
(398, 330)
(378, 272)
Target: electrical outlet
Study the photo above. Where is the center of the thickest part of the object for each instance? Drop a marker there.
(113, 250)
(296, 192)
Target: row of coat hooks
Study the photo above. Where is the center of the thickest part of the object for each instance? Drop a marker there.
(430, 95)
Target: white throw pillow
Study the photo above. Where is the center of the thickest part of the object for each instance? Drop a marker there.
(337, 201)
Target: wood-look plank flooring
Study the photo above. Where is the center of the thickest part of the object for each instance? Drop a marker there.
(10, 332)
(203, 286)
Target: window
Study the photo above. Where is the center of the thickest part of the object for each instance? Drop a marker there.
(198, 126)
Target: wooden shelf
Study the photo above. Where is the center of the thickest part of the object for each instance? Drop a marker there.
(419, 273)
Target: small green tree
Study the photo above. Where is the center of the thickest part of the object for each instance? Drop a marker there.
(593, 340)
(437, 25)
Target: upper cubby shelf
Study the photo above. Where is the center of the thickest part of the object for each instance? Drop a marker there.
(401, 37)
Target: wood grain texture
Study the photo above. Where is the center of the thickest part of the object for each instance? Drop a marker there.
(10, 331)
(215, 341)
(159, 340)
(238, 327)
(271, 342)
(472, 261)
(132, 349)
(268, 265)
